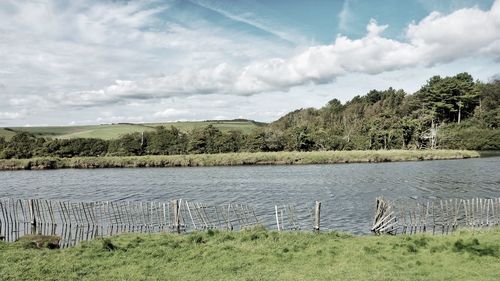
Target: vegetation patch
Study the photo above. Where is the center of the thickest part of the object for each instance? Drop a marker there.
(234, 159)
(473, 247)
(39, 242)
(257, 254)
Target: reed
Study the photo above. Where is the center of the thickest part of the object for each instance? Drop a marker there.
(235, 159)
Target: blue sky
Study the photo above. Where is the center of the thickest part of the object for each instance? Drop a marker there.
(91, 62)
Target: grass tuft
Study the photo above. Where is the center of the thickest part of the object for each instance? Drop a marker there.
(475, 248)
(107, 245)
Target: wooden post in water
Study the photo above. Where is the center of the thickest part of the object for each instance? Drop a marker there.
(277, 218)
(32, 216)
(177, 217)
(385, 220)
(317, 213)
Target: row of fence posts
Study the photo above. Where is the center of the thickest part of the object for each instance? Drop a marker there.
(292, 218)
(35, 225)
(109, 218)
(77, 221)
(437, 217)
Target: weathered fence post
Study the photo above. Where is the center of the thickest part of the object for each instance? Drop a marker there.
(385, 220)
(317, 213)
(177, 217)
(277, 218)
(32, 216)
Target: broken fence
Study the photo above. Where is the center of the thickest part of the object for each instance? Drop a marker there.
(436, 217)
(78, 221)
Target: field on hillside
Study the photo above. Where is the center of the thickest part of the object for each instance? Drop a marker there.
(260, 255)
(6, 133)
(112, 131)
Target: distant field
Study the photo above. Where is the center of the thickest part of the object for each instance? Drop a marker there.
(112, 131)
(6, 133)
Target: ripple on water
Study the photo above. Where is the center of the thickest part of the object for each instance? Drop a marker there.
(347, 191)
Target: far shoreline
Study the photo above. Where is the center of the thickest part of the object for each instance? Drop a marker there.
(239, 159)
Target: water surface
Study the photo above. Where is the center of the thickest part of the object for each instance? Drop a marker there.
(347, 191)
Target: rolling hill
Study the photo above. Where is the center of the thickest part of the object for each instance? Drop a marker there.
(112, 131)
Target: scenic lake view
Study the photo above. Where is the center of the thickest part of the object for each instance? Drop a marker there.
(347, 191)
(249, 140)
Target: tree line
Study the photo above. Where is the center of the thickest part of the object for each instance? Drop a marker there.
(454, 112)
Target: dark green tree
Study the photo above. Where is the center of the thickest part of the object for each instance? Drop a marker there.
(450, 98)
(127, 145)
(205, 140)
(21, 145)
(166, 141)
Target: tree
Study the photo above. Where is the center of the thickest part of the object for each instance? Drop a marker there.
(256, 141)
(73, 147)
(126, 145)
(298, 139)
(488, 111)
(21, 145)
(451, 98)
(205, 140)
(233, 141)
(166, 141)
(3, 144)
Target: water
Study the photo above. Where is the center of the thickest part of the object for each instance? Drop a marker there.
(347, 191)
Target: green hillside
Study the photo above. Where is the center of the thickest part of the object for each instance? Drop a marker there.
(6, 133)
(113, 131)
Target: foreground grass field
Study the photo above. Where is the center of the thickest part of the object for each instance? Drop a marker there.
(113, 131)
(233, 159)
(261, 255)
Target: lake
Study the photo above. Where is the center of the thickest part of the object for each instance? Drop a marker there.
(347, 191)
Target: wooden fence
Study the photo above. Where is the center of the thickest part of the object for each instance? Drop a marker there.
(436, 217)
(77, 221)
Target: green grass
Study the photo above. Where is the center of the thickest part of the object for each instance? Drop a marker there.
(234, 159)
(107, 131)
(261, 255)
(113, 131)
(7, 134)
(489, 153)
(225, 126)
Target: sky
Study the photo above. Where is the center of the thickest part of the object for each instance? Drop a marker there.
(93, 62)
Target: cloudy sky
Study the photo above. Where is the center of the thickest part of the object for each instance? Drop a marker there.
(89, 62)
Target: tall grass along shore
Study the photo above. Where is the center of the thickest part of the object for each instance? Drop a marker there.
(260, 255)
(234, 159)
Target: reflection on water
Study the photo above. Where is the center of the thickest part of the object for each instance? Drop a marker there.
(347, 191)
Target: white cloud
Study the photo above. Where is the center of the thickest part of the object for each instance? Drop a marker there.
(12, 115)
(435, 39)
(82, 57)
(344, 15)
(172, 113)
(117, 118)
(60, 52)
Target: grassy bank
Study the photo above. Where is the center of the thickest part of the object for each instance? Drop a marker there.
(233, 159)
(489, 153)
(260, 255)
